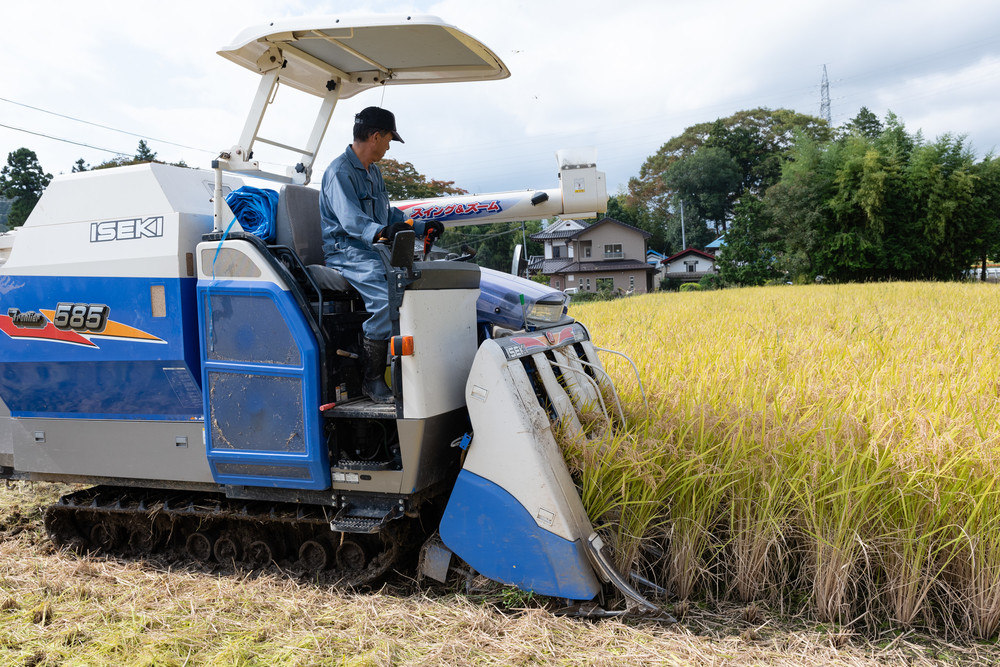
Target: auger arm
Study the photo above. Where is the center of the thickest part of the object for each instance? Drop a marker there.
(582, 193)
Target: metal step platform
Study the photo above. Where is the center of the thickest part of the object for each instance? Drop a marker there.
(361, 408)
(346, 522)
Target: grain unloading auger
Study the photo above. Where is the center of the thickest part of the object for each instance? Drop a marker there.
(205, 381)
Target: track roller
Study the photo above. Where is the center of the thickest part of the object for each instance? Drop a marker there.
(105, 536)
(351, 555)
(228, 548)
(200, 545)
(262, 552)
(314, 555)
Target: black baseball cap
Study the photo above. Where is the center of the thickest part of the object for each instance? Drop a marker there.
(380, 119)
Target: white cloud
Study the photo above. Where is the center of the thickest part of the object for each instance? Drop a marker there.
(624, 77)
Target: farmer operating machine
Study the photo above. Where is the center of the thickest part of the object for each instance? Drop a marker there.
(206, 381)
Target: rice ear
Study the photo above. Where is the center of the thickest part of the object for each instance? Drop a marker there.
(822, 445)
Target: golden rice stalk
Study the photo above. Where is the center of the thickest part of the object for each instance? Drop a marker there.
(853, 429)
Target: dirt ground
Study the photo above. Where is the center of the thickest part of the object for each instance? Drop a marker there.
(59, 608)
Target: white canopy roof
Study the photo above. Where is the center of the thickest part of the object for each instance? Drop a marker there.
(355, 53)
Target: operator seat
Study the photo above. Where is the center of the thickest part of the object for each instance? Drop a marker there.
(297, 226)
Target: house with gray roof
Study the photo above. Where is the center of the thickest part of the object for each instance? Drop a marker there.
(607, 254)
(690, 265)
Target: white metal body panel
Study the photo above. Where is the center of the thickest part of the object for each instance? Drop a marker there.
(6, 244)
(513, 445)
(136, 221)
(234, 260)
(562, 403)
(443, 326)
(582, 390)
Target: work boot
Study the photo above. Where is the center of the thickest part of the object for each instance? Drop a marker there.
(373, 364)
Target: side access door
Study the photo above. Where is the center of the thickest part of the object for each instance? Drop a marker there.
(260, 372)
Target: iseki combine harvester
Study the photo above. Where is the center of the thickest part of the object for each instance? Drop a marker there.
(204, 384)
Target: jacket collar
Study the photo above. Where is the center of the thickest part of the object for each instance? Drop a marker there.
(354, 159)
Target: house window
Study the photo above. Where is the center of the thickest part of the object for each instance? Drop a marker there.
(613, 251)
(569, 278)
(588, 284)
(631, 282)
(691, 267)
(556, 251)
(605, 284)
(586, 251)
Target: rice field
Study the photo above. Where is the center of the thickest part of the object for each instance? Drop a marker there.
(822, 450)
(811, 473)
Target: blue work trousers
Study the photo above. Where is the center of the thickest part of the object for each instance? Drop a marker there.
(365, 271)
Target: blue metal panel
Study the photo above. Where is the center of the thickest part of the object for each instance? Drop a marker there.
(256, 332)
(489, 529)
(260, 364)
(137, 361)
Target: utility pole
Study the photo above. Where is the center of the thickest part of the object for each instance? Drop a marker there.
(824, 103)
(684, 243)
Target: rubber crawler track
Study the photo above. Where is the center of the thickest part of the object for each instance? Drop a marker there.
(211, 529)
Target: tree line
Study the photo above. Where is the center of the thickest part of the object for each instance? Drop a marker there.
(798, 200)
(22, 179)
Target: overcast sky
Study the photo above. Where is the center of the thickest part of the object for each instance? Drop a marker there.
(622, 76)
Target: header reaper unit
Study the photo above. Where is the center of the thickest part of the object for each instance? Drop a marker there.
(205, 382)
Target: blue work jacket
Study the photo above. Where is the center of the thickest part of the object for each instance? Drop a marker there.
(354, 205)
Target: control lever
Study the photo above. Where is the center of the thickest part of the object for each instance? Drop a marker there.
(402, 250)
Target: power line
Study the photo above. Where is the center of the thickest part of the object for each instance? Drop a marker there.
(98, 148)
(68, 141)
(103, 127)
(469, 239)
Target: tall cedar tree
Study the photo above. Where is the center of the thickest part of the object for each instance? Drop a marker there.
(22, 180)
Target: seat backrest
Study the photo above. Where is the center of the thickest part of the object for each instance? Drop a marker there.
(297, 224)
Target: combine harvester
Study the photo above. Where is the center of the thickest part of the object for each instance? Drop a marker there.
(206, 383)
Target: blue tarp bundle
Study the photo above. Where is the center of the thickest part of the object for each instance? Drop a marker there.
(255, 208)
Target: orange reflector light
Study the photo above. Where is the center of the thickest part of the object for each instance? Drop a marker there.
(401, 346)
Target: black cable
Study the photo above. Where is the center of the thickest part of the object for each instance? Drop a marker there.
(476, 239)
(68, 141)
(104, 127)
